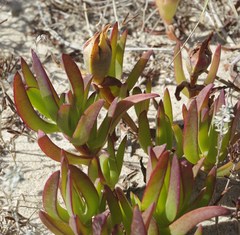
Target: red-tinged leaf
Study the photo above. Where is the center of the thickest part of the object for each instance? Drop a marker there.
(138, 69)
(85, 187)
(54, 152)
(236, 119)
(126, 209)
(187, 184)
(99, 224)
(153, 228)
(137, 226)
(114, 207)
(168, 105)
(144, 133)
(214, 66)
(219, 102)
(28, 75)
(26, 111)
(190, 134)
(147, 215)
(46, 88)
(125, 104)
(206, 194)
(174, 190)
(199, 230)
(156, 181)
(178, 68)
(75, 78)
(103, 130)
(120, 54)
(50, 201)
(184, 111)
(163, 128)
(77, 227)
(186, 222)
(57, 227)
(197, 167)
(203, 97)
(86, 123)
(69, 195)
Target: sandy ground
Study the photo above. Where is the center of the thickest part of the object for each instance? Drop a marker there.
(23, 167)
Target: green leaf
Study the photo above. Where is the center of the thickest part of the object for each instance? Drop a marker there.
(26, 111)
(47, 91)
(126, 210)
(114, 207)
(138, 69)
(178, 68)
(54, 152)
(199, 230)
(86, 123)
(190, 134)
(186, 222)
(168, 105)
(156, 181)
(214, 66)
(86, 189)
(120, 55)
(164, 132)
(120, 154)
(55, 226)
(203, 97)
(178, 135)
(29, 78)
(144, 134)
(36, 100)
(75, 78)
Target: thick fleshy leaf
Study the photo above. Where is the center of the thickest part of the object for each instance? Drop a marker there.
(55, 226)
(113, 42)
(154, 154)
(168, 105)
(190, 134)
(187, 184)
(155, 182)
(186, 222)
(78, 227)
(64, 118)
(144, 133)
(28, 75)
(46, 88)
(120, 54)
(178, 68)
(86, 123)
(214, 66)
(50, 196)
(75, 78)
(225, 170)
(120, 154)
(164, 129)
(137, 226)
(178, 135)
(99, 224)
(26, 111)
(138, 69)
(114, 207)
(147, 215)
(125, 104)
(174, 190)
(199, 230)
(85, 188)
(36, 100)
(206, 194)
(203, 97)
(126, 209)
(55, 153)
